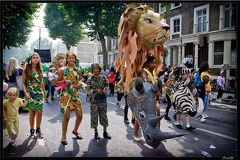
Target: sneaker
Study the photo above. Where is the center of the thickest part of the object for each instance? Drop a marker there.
(219, 100)
(126, 121)
(106, 135)
(179, 126)
(77, 135)
(202, 120)
(32, 133)
(190, 128)
(58, 96)
(205, 115)
(167, 118)
(64, 141)
(39, 133)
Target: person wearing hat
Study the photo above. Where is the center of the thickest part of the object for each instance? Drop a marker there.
(220, 86)
(51, 83)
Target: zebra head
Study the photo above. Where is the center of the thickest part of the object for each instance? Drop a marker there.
(142, 102)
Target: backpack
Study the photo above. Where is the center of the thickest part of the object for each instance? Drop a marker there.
(197, 79)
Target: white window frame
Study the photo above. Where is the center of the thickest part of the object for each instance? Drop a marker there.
(233, 55)
(195, 22)
(160, 9)
(174, 7)
(230, 9)
(216, 53)
(113, 43)
(172, 25)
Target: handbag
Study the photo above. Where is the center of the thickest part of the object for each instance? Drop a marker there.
(100, 97)
(19, 81)
(208, 89)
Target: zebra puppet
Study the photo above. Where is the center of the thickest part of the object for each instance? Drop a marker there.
(183, 94)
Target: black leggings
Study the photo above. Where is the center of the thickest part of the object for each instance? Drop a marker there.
(220, 93)
(126, 109)
(119, 96)
(168, 105)
(111, 87)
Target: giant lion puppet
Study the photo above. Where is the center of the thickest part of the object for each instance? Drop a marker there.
(142, 32)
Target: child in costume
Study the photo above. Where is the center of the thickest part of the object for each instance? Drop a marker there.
(97, 85)
(10, 113)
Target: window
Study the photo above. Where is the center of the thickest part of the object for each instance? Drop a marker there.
(175, 25)
(218, 52)
(201, 18)
(233, 56)
(161, 9)
(229, 16)
(175, 5)
(113, 43)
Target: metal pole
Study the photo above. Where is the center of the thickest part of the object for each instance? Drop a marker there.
(39, 36)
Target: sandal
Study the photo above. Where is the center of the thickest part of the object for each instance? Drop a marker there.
(77, 135)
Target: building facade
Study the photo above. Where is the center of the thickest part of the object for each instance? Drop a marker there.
(206, 31)
(86, 50)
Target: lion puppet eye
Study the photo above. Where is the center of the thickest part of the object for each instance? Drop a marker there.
(148, 21)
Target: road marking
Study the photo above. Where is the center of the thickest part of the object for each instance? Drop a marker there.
(218, 134)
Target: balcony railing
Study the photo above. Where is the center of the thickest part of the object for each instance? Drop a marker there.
(227, 22)
(200, 27)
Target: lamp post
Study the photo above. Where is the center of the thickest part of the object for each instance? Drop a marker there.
(39, 35)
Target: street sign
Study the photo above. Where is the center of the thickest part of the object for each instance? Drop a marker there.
(45, 55)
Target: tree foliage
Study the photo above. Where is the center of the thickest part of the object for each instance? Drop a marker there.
(58, 27)
(17, 23)
(100, 19)
(44, 44)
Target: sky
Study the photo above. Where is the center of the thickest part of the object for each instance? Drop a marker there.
(38, 22)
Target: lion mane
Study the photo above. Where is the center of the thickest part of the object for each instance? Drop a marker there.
(141, 32)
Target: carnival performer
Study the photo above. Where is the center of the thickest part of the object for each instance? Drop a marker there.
(59, 63)
(97, 85)
(183, 98)
(10, 113)
(122, 93)
(34, 90)
(69, 96)
(148, 75)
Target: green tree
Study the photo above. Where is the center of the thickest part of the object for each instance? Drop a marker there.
(58, 27)
(17, 22)
(100, 19)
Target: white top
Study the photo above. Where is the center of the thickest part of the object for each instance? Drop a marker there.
(190, 60)
(51, 76)
(105, 73)
(221, 82)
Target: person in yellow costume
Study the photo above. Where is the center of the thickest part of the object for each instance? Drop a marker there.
(208, 90)
(10, 113)
(148, 75)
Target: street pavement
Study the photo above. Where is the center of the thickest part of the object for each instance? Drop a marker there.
(219, 130)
